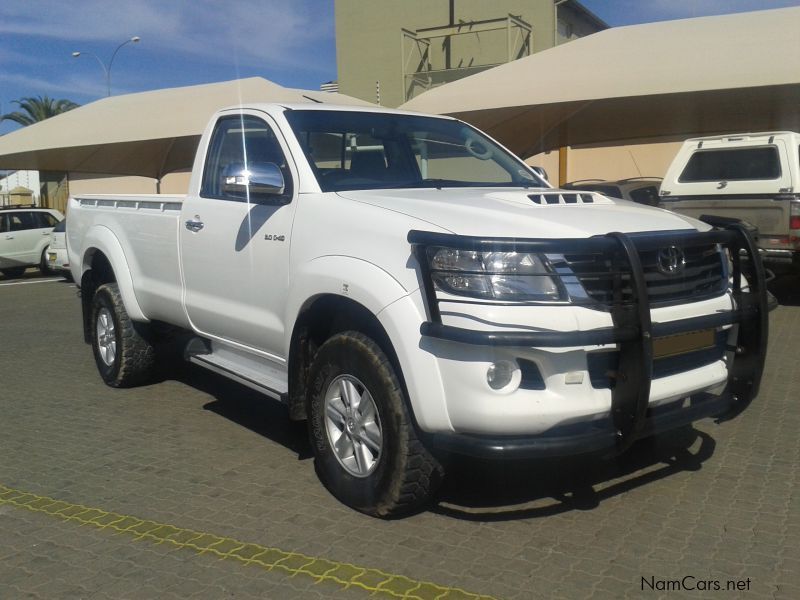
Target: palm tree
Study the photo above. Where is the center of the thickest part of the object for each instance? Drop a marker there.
(38, 109)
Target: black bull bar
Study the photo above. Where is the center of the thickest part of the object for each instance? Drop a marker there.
(632, 331)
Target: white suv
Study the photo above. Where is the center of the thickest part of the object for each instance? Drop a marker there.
(25, 237)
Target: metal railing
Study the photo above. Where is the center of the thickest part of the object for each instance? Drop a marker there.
(426, 64)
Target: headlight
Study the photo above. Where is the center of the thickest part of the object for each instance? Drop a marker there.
(513, 276)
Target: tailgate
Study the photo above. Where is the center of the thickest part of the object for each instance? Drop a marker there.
(769, 215)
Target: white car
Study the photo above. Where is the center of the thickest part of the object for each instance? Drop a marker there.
(57, 258)
(25, 237)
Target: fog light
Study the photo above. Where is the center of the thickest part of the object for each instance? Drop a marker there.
(500, 374)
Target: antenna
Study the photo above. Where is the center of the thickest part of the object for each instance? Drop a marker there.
(634, 163)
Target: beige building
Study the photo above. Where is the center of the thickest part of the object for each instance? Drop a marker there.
(388, 51)
(647, 158)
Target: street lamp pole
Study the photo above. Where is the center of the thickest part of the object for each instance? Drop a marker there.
(107, 69)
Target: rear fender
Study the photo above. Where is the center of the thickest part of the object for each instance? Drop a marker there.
(102, 239)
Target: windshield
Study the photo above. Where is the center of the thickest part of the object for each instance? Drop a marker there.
(362, 150)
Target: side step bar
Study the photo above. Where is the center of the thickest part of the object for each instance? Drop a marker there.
(257, 373)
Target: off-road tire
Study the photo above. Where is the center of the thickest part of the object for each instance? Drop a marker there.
(405, 475)
(134, 361)
(13, 272)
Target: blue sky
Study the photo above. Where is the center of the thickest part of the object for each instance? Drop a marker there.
(185, 42)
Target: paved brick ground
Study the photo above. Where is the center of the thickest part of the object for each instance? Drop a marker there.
(714, 502)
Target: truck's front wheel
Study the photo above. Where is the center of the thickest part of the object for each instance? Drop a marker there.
(366, 449)
(124, 356)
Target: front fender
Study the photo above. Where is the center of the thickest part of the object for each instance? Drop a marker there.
(345, 276)
(400, 313)
(102, 239)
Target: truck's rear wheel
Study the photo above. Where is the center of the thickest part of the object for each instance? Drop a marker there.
(124, 355)
(366, 449)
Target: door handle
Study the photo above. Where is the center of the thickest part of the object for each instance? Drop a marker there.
(45, 233)
(9, 237)
(194, 226)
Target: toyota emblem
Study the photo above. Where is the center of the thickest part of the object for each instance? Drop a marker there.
(671, 260)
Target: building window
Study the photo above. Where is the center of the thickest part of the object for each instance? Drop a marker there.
(564, 29)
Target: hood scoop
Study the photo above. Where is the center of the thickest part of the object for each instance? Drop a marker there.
(566, 198)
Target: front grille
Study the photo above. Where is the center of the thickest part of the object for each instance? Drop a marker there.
(606, 280)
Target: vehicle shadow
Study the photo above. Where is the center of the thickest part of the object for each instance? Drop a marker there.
(786, 288)
(30, 274)
(248, 408)
(473, 489)
(511, 490)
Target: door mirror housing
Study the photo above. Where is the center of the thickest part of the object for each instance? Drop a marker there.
(261, 182)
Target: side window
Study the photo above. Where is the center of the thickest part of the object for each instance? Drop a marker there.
(3, 223)
(20, 221)
(735, 164)
(646, 195)
(241, 140)
(44, 220)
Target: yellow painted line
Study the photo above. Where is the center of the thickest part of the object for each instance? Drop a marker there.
(343, 575)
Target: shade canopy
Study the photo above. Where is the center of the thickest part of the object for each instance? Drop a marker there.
(718, 74)
(148, 133)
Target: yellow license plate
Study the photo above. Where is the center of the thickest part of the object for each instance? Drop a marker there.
(51, 256)
(683, 343)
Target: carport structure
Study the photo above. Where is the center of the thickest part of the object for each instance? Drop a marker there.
(707, 75)
(148, 134)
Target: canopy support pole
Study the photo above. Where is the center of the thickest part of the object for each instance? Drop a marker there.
(562, 165)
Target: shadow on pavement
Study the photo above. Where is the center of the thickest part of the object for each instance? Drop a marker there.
(500, 491)
(248, 408)
(29, 274)
(786, 288)
(483, 490)
(476, 490)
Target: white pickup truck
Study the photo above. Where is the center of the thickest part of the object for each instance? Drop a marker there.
(412, 289)
(752, 177)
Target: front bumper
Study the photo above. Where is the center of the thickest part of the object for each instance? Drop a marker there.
(631, 414)
(57, 259)
(584, 437)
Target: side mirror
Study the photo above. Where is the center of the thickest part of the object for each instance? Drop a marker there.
(540, 172)
(261, 180)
